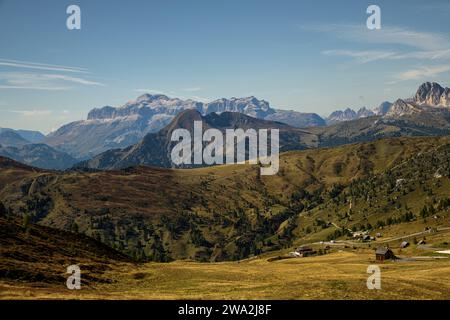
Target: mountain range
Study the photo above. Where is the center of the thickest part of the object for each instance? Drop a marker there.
(109, 128)
(138, 122)
(155, 148)
(39, 155)
(348, 114)
(26, 147)
(413, 117)
(28, 136)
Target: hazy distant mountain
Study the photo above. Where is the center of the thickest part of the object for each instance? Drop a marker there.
(337, 116)
(155, 148)
(431, 123)
(11, 138)
(38, 155)
(32, 136)
(297, 119)
(109, 128)
(28, 135)
(364, 112)
(428, 94)
(348, 114)
(424, 115)
(20, 145)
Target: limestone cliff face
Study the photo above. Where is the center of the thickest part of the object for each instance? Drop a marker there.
(432, 94)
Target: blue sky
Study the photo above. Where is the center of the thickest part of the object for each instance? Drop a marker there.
(310, 56)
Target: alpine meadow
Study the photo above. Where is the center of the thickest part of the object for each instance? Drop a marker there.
(224, 150)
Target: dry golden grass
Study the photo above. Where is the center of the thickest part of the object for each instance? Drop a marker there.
(339, 275)
(152, 192)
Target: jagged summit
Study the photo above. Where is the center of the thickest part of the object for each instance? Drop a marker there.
(433, 94)
(349, 114)
(429, 94)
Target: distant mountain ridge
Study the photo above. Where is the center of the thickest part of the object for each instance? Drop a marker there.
(109, 128)
(15, 145)
(11, 138)
(29, 135)
(155, 148)
(38, 155)
(429, 94)
(348, 114)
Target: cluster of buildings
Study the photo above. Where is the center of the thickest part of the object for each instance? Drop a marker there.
(305, 251)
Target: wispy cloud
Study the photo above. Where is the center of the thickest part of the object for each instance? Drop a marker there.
(32, 113)
(73, 79)
(150, 91)
(421, 73)
(430, 55)
(386, 35)
(40, 66)
(407, 44)
(201, 99)
(192, 89)
(44, 88)
(366, 56)
(39, 81)
(362, 56)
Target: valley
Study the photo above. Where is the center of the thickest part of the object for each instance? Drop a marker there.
(146, 230)
(225, 232)
(230, 212)
(233, 151)
(337, 275)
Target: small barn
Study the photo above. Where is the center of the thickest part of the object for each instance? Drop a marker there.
(305, 251)
(384, 254)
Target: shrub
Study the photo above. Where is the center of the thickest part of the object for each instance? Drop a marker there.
(3, 210)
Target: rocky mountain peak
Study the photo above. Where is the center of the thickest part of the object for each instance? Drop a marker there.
(248, 105)
(364, 112)
(433, 94)
(401, 108)
(106, 112)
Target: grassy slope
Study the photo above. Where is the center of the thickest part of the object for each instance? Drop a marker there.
(41, 254)
(230, 205)
(150, 193)
(339, 275)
